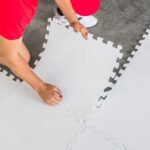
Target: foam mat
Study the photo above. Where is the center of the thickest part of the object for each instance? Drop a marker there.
(80, 68)
(123, 122)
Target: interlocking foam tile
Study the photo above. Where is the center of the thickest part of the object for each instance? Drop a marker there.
(80, 68)
(125, 115)
(7, 86)
(29, 124)
(91, 139)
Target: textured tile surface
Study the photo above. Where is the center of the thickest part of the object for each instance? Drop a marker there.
(124, 118)
(27, 123)
(7, 86)
(80, 68)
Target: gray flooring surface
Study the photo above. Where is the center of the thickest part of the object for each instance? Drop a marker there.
(119, 21)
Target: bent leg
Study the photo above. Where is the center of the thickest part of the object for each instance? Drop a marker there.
(12, 55)
(24, 52)
(22, 49)
(12, 58)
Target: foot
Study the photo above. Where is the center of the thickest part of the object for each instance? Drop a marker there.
(87, 21)
(50, 94)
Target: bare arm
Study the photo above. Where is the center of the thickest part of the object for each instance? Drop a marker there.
(68, 11)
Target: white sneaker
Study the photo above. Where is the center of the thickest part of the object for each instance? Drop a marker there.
(87, 21)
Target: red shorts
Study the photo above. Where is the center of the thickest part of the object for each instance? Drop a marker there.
(15, 15)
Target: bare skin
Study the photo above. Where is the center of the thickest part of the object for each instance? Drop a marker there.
(15, 55)
(68, 11)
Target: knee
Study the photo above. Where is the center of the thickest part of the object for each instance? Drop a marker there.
(25, 53)
(28, 58)
(9, 58)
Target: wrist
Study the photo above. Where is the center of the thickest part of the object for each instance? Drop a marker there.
(73, 23)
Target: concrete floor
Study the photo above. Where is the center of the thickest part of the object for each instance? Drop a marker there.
(122, 22)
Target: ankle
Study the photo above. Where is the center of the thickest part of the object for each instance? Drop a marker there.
(41, 86)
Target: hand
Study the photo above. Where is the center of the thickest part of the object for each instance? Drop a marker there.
(50, 94)
(78, 27)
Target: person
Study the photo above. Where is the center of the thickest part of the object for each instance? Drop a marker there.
(15, 16)
(87, 21)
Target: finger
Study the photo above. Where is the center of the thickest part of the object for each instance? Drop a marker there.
(58, 91)
(84, 32)
(56, 101)
(57, 96)
(85, 35)
(52, 102)
(54, 98)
